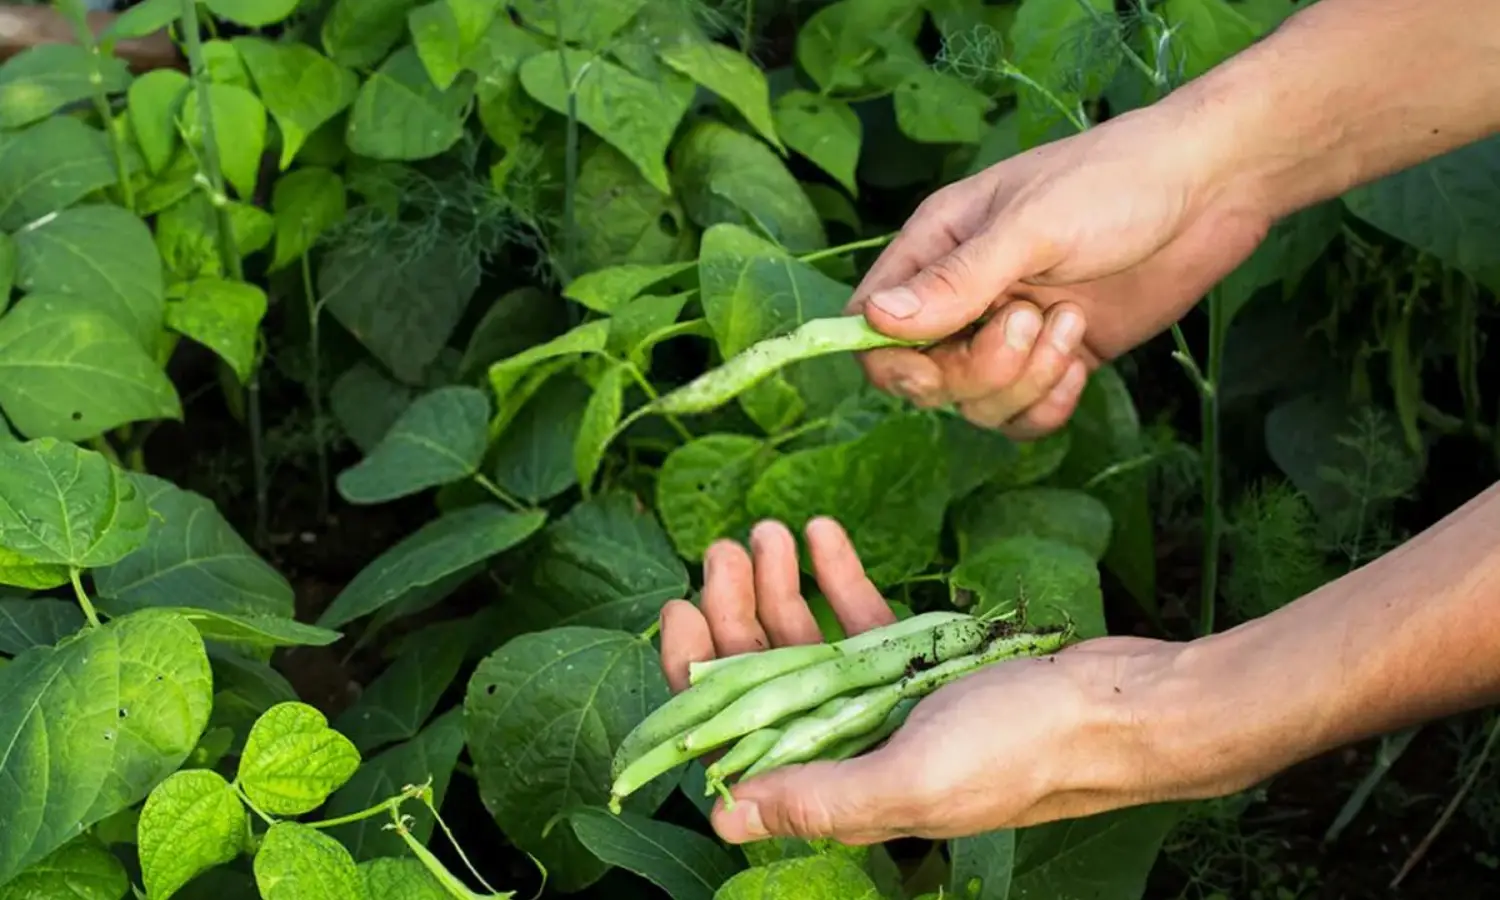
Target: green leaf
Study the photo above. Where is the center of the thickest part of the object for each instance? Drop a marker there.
(889, 489)
(45, 77)
(850, 46)
(155, 102)
(293, 760)
(402, 310)
(260, 631)
(1063, 47)
(590, 337)
(395, 705)
(400, 878)
(223, 65)
(359, 33)
(192, 822)
(803, 878)
(187, 235)
(936, 108)
(366, 404)
(36, 622)
(223, 316)
(441, 547)
(239, 121)
(637, 117)
(82, 869)
(981, 865)
(102, 253)
(1061, 514)
(64, 505)
(587, 22)
(1204, 34)
(1035, 461)
(92, 726)
(730, 74)
(1105, 856)
(431, 755)
(1445, 206)
(544, 715)
(307, 203)
(727, 176)
(753, 290)
(438, 440)
(685, 864)
(49, 166)
(703, 489)
(534, 454)
(606, 290)
(401, 115)
(641, 324)
(296, 862)
(630, 220)
(21, 571)
(1106, 431)
(447, 34)
(254, 13)
(142, 19)
(302, 88)
(1056, 583)
(191, 556)
(607, 563)
(598, 423)
(824, 130)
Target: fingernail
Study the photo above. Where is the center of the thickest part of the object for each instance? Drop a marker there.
(899, 303)
(1067, 332)
(1022, 328)
(751, 826)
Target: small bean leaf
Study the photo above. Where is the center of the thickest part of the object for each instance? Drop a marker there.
(396, 704)
(1058, 583)
(438, 440)
(1061, 514)
(728, 176)
(590, 337)
(239, 120)
(82, 869)
(400, 114)
(155, 101)
(302, 88)
(254, 13)
(306, 203)
(598, 424)
(293, 760)
(605, 290)
(44, 78)
(223, 316)
(824, 130)
(296, 862)
(192, 822)
(63, 505)
(257, 630)
(685, 864)
(937, 108)
(730, 74)
(22, 572)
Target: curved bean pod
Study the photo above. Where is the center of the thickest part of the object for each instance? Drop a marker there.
(806, 738)
(742, 756)
(854, 746)
(744, 370)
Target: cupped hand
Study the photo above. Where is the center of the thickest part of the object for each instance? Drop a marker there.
(1037, 269)
(1015, 744)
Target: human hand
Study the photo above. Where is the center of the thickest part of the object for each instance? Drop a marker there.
(1018, 743)
(1122, 227)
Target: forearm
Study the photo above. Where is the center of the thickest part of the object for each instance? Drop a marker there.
(1409, 638)
(1346, 92)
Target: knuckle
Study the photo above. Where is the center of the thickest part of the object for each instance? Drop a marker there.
(950, 274)
(809, 817)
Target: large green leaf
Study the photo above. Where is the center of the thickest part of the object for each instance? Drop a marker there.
(981, 865)
(889, 489)
(302, 88)
(727, 176)
(430, 755)
(587, 22)
(753, 289)
(534, 454)
(638, 117)
(438, 440)
(63, 505)
(1056, 583)
(401, 115)
(306, 203)
(440, 548)
(192, 822)
(191, 556)
(395, 705)
(296, 862)
(1069, 516)
(607, 563)
(802, 878)
(82, 869)
(292, 760)
(732, 75)
(824, 130)
(402, 310)
(45, 77)
(703, 489)
(630, 220)
(239, 121)
(358, 33)
(937, 108)
(853, 46)
(1105, 857)
(36, 622)
(50, 166)
(223, 316)
(103, 253)
(544, 715)
(89, 728)
(685, 864)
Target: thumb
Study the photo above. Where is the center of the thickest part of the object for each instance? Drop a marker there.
(843, 800)
(952, 292)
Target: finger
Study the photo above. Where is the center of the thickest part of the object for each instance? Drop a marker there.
(933, 231)
(953, 290)
(778, 587)
(841, 800)
(841, 577)
(994, 359)
(729, 600)
(1054, 352)
(906, 373)
(685, 639)
(1054, 410)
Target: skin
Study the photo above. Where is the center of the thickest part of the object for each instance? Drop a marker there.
(1031, 274)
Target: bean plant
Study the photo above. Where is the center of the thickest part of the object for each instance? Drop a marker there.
(564, 283)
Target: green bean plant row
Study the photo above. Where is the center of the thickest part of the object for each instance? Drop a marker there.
(430, 344)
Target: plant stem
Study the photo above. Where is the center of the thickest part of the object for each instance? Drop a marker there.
(75, 575)
(652, 396)
(229, 254)
(390, 804)
(851, 247)
(245, 799)
(315, 375)
(85, 35)
(499, 493)
(1474, 769)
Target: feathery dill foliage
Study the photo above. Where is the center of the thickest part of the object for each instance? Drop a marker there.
(1378, 473)
(1274, 550)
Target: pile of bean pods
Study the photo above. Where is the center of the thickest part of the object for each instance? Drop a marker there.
(797, 704)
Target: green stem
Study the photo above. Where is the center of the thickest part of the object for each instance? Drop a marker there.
(75, 575)
(851, 247)
(652, 396)
(499, 493)
(104, 448)
(85, 35)
(315, 388)
(249, 804)
(388, 805)
(1074, 116)
(805, 428)
(1213, 513)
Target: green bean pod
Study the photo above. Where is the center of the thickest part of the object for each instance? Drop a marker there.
(699, 703)
(805, 739)
(657, 761)
(749, 367)
(854, 746)
(804, 689)
(742, 756)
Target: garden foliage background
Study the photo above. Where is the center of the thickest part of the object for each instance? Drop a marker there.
(323, 471)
